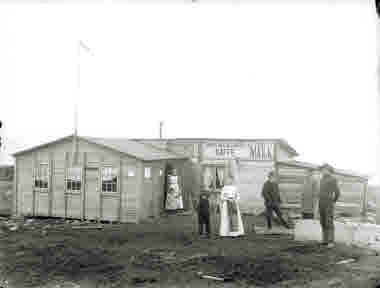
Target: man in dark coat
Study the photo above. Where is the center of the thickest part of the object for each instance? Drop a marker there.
(204, 214)
(272, 200)
(328, 195)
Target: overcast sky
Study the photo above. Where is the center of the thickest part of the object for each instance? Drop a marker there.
(302, 72)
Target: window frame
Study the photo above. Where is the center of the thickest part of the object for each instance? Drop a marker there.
(39, 177)
(113, 172)
(72, 180)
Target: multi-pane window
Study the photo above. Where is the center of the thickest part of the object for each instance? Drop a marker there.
(147, 173)
(74, 179)
(109, 179)
(41, 176)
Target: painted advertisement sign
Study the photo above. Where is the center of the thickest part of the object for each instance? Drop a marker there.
(251, 151)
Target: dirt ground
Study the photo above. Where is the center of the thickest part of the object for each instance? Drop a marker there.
(51, 252)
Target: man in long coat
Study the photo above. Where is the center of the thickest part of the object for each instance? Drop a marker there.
(328, 195)
(272, 201)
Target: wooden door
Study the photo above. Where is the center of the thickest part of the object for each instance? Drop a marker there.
(92, 194)
(156, 190)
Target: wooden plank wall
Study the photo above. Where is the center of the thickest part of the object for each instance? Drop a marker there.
(129, 183)
(122, 205)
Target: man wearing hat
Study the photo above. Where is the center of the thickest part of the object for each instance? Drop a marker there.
(328, 195)
(272, 200)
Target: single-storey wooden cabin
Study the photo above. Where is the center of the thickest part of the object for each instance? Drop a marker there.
(105, 179)
(257, 157)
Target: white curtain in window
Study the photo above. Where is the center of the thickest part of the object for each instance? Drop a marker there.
(221, 175)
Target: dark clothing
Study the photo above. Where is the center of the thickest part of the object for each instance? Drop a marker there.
(328, 195)
(204, 215)
(269, 215)
(204, 220)
(270, 194)
(204, 207)
(329, 190)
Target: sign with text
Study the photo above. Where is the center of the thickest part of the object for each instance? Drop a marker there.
(252, 151)
(262, 151)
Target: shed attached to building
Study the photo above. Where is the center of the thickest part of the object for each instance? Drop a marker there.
(104, 179)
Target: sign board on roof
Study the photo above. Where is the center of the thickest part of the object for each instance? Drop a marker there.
(257, 151)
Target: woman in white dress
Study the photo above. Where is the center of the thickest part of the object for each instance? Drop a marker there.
(174, 194)
(231, 223)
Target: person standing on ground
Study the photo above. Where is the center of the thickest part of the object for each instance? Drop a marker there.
(204, 214)
(328, 195)
(272, 201)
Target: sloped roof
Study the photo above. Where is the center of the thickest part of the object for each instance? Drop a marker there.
(141, 151)
(307, 165)
(132, 148)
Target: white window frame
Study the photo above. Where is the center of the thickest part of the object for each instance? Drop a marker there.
(113, 173)
(45, 178)
(72, 179)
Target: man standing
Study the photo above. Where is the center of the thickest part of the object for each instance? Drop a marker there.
(204, 214)
(272, 200)
(328, 195)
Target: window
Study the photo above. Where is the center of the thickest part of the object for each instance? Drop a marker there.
(73, 181)
(109, 179)
(161, 172)
(41, 176)
(147, 173)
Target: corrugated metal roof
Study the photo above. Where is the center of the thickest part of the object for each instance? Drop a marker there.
(141, 151)
(132, 148)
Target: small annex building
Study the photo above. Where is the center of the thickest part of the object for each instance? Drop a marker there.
(104, 179)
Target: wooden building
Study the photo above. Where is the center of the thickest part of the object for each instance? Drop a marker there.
(123, 180)
(256, 157)
(112, 179)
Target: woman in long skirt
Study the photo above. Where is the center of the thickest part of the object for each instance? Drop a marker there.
(231, 223)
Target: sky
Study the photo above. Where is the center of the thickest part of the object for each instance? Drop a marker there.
(301, 71)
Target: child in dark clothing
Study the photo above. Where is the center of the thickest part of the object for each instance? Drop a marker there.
(204, 214)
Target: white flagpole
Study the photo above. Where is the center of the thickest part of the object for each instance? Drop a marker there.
(377, 14)
(75, 136)
(80, 45)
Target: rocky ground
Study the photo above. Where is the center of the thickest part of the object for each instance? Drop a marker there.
(55, 253)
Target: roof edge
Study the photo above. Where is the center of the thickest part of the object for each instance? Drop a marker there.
(41, 145)
(295, 163)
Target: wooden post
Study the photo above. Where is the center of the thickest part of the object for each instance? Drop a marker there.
(50, 187)
(120, 188)
(16, 203)
(83, 186)
(65, 181)
(100, 190)
(35, 165)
